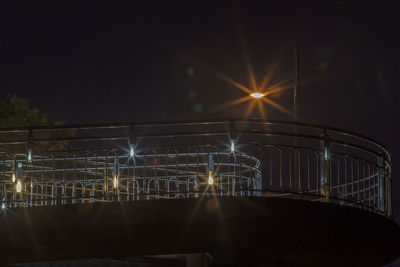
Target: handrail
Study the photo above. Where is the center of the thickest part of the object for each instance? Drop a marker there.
(280, 156)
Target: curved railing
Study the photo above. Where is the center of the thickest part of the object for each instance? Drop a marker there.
(132, 161)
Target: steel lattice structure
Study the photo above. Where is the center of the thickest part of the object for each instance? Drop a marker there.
(136, 161)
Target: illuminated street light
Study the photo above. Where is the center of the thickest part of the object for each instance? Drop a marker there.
(256, 95)
(13, 177)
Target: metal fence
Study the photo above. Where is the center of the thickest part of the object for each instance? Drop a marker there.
(138, 161)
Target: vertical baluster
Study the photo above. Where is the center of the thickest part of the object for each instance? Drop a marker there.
(166, 173)
(197, 172)
(308, 171)
(352, 179)
(176, 175)
(280, 170)
(105, 179)
(240, 174)
(298, 169)
(187, 173)
(53, 201)
(42, 183)
(290, 170)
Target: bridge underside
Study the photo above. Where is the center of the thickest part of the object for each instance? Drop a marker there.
(233, 230)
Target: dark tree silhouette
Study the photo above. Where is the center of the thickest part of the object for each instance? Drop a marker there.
(17, 112)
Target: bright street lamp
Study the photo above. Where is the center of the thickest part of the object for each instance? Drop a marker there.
(256, 95)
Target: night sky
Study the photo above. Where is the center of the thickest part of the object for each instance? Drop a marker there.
(117, 61)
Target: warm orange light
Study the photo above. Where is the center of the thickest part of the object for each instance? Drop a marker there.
(257, 95)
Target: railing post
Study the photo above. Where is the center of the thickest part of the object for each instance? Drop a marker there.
(210, 170)
(29, 147)
(325, 178)
(19, 183)
(3, 185)
(389, 192)
(381, 183)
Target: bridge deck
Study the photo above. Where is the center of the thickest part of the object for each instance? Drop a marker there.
(241, 230)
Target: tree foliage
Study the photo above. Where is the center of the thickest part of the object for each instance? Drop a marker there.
(17, 112)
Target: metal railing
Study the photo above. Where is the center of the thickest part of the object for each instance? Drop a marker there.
(134, 161)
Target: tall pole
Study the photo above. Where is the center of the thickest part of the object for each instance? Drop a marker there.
(296, 102)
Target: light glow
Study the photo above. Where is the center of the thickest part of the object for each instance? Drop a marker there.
(19, 186)
(132, 151)
(232, 146)
(115, 182)
(30, 155)
(3, 206)
(257, 95)
(210, 178)
(13, 177)
(326, 153)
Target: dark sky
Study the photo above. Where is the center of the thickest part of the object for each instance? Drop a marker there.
(113, 61)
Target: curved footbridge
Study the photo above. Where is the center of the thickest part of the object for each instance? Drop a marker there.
(245, 192)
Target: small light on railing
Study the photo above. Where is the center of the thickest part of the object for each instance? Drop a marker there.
(131, 150)
(30, 147)
(232, 136)
(210, 169)
(232, 146)
(132, 141)
(210, 178)
(116, 172)
(115, 182)
(326, 153)
(13, 177)
(30, 156)
(19, 186)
